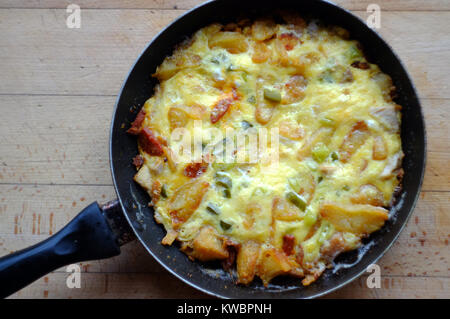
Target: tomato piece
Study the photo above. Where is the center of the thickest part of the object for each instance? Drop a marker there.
(136, 125)
(155, 192)
(289, 40)
(195, 169)
(288, 244)
(138, 161)
(149, 142)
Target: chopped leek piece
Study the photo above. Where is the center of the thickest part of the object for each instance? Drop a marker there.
(223, 179)
(296, 199)
(320, 152)
(334, 156)
(213, 209)
(163, 191)
(225, 225)
(326, 121)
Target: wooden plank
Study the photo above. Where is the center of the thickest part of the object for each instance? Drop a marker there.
(64, 140)
(396, 287)
(437, 172)
(99, 285)
(55, 139)
(422, 248)
(389, 5)
(40, 55)
(31, 213)
(119, 285)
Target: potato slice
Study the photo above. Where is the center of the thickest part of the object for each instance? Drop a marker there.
(170, 237)
(368, 194)
(385, 84)
(393, 164)
(321, 135)
(261, 53)
(263, 29)
(144, 178)
(380, 151)
(207, 245)
(272, 263)
(353, 141)
(233, 42)
(186, 200)
(264, 109)
(291, 130)
(252, 211)
(388, 117)
(246, 261)
(177, 62)
(177, 118)
(284, 210)
(358, 219)
(295, 89)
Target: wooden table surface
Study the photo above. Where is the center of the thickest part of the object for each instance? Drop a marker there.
(57, 91)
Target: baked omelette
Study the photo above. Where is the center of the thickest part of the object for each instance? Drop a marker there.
(338, 153)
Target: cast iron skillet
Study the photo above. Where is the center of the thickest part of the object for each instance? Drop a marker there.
(98, 231)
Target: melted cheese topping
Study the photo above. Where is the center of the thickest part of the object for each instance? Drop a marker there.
(339, 149)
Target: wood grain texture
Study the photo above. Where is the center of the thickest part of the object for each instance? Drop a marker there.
(57, 92)
(389, 5)
(41, 55)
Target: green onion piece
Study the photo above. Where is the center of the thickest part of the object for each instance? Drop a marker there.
(223, 179)
(320, 152)
(272, 94)
(320, 179)
(246, 125)
(326, 76)
(231, 67)
(225, 225)
(223, 166)
(334, 156)
(258, 191)
(353, 53)
(326, 121)
(294, 183)
(227, 192)
(213, 209)
(346, 188)
(163, 191)
(251, 99)
(296, 199)
(310, 218)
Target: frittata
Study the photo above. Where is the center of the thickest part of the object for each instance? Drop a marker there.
(338, 156)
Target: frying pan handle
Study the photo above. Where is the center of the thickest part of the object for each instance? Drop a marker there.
(95, 233)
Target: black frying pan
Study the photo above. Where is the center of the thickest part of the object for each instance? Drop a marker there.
(98, 231)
